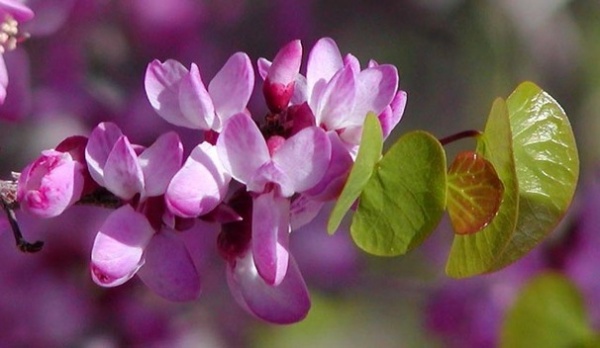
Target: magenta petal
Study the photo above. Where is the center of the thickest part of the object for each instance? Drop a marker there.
(398, 106)
(169, 269)
(160, 162)
(303, 210)
(286, 64)
(119, 246)
(263, 65)
(304, 157)
(287, 303)
(324, 60)
(123, 174)
(271, 173)
(3, 79)
(164, 83)
(199, 186)
(335, 105)
(16, 9)
(242, 148)
(376, 87)
(195, 102)
(270, 236)
(51, 184)
(99, 146)
(334, 179)
(231, 87)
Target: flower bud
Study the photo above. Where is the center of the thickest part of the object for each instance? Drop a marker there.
(50, 184)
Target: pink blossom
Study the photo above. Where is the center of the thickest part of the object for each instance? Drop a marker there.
(285, 303)
(140, 233)
(55, 180)
(200, 185)
(275, 169)
(180, 97)
(50, 184)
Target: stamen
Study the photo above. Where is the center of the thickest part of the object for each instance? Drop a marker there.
(9, 34)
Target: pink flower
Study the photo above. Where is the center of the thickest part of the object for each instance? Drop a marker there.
(341, 95)
(285, 303)
(275, 169)
(200, 185)
(140, 233)
(181, 98)
(55, 180)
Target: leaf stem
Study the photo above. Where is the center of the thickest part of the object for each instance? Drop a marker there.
(471, 133)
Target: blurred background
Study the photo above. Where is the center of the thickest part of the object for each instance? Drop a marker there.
(85, 63)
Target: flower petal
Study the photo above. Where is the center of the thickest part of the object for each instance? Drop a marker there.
(178, 95)
(242, 148)
(100, 144)
(195, 102)
(123, 174)
(200, 185)
(286, 64)
(3, 79)
(119, 246)
(263, 65)
(270, 236)
(324, 61)
(231, 88)
(160, 162)
(270, 173)
(16, 9)
(334, 108)
(287, 303)
(51, 184)
(376, 87)
(169, 269)
(304, 157)
(331, 184)
(303, 210)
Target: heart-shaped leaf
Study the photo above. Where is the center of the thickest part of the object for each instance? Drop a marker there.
(549, 312)
(369, 153)
(476, 253)
(474, 192)
(405, 197)
(547, 167)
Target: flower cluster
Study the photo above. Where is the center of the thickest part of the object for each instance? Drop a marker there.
(258, 181)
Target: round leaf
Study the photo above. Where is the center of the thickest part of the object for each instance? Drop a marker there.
(405, 197)
(549, 312)
(547, 167)
(474, 192)
(476, 253)
(369, 153)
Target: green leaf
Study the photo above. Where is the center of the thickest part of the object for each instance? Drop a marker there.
(547, 167)
(405, 197)
(369, 153)
(536, 158)
(474, 192)
(476, 253)
(549, 312)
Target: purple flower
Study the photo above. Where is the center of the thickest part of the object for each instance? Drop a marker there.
(55, 180)
(200, 185)
(141, 232)
(181, 98)
(275, 169)
(340, 94)
(288, 302)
